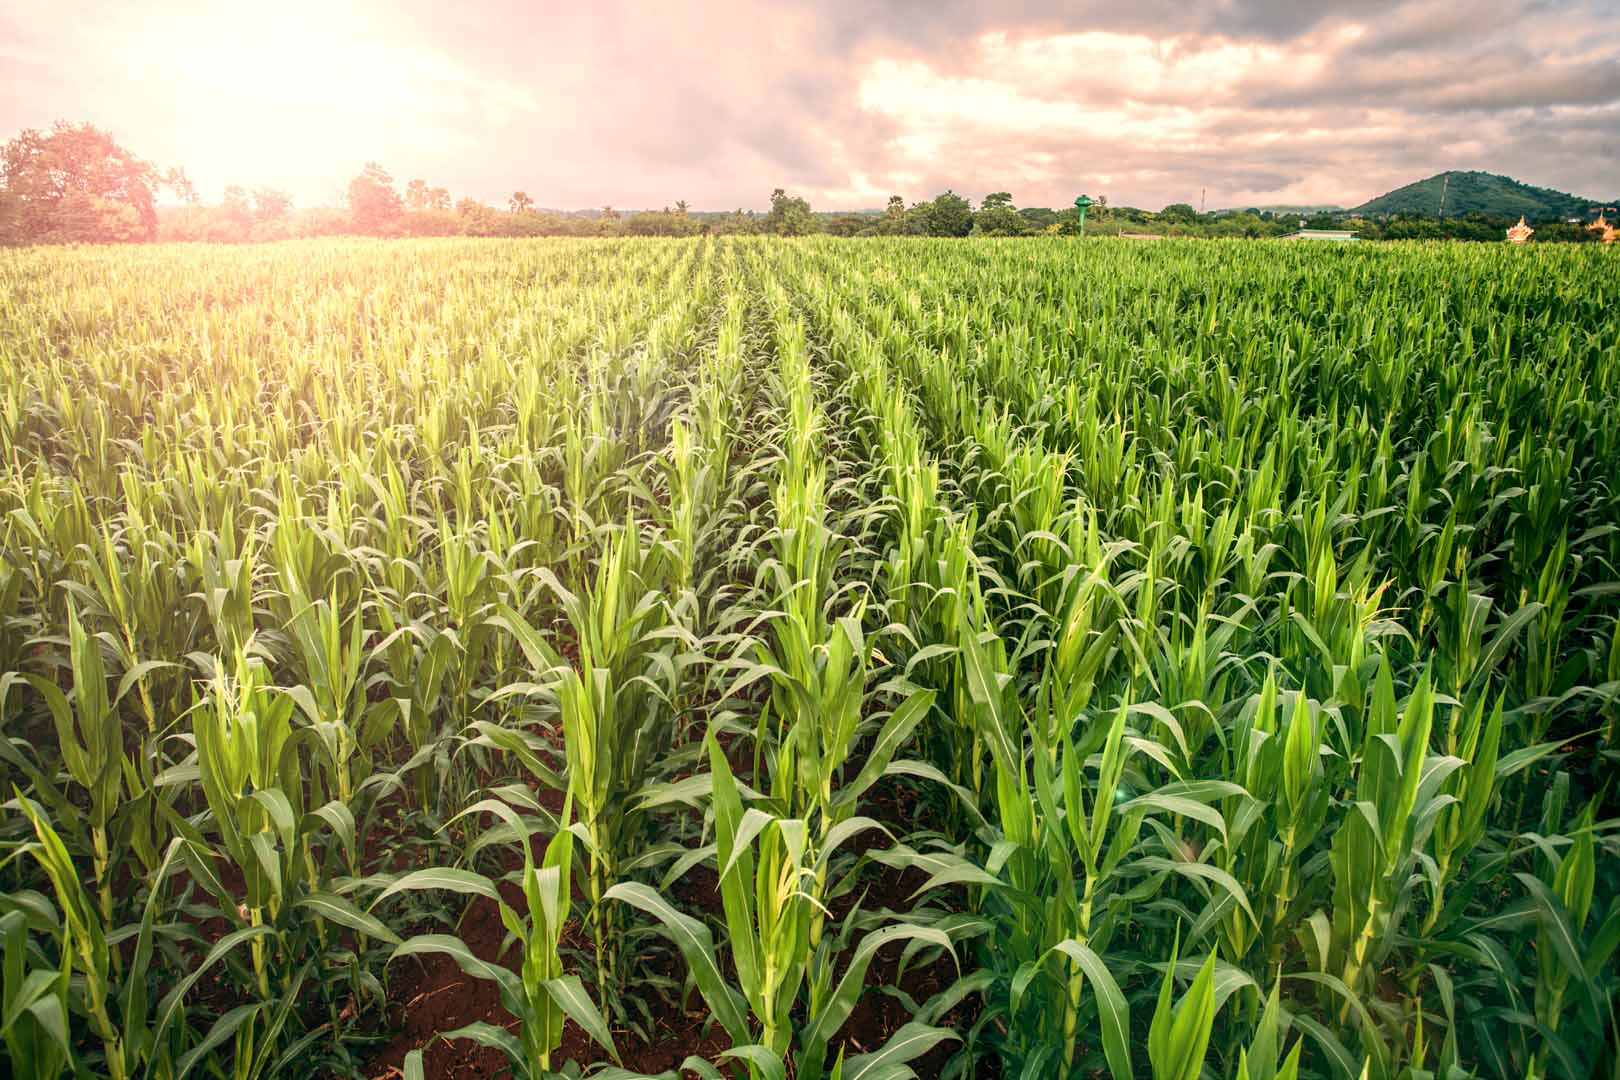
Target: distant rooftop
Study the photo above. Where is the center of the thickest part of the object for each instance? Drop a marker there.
(1321, 234)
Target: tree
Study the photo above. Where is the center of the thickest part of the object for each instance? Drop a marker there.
(1040, 217)
(82, 218)
(271, 204)
(680, 208)
(892, 223)
(76, 184)
(234, 221)
(846, 225)
(790, 215)
(178, 182)
(739, 222)
(373, 202)
(1178, 214)
(477, 219)
(520, 203)
(661, 223)
(418, 196)
(948, 215)
(998, 217)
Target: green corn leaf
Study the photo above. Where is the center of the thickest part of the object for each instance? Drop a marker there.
(485, 1034)
(701, 1067)
(448, 945)
(222, 1029)
(169, 1007)
(763, 1063)
(334, 908)
(1557, 929)
(736, 889)
(570, 996)
(443, 878)
(1264, 1044)
(844, 831)
(1300, 749)
(824, 1024)
(1201, 871)
(1176, 805)
(754, 821)
(1180, 1037)
(696, 946)
(1290, 1066)
(890, 738)
(1113, 1011)
(1372, 1043)
(1507, 631)
(1603, 943)
(341, 820)
(912, 1041)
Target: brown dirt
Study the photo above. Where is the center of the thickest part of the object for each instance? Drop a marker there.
(429, 995)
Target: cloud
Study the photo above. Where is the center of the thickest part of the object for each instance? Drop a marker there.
(718, 102)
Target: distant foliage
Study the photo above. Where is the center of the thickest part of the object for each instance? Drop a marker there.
(75, 185)
(373, 203)
(790, 215)
(997, 217)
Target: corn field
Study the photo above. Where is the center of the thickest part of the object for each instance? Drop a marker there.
(814, 659)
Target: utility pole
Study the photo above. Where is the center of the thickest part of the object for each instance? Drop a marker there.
(1201, 193)
(1444, 184)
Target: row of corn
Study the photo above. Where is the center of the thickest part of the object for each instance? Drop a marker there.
(1196, 660)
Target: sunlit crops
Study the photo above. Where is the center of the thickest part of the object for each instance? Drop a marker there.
(1200, 659)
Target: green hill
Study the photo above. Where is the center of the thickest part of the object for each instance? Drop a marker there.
(1285, 209)
(1477, 192)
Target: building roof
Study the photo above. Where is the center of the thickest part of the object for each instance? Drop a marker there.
(1321, 234)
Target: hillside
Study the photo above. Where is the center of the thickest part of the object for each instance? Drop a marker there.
(1285, 209)
(1477, 192)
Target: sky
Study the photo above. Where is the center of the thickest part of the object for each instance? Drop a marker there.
(634, 105)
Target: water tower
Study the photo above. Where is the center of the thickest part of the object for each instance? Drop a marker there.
(1082, 204)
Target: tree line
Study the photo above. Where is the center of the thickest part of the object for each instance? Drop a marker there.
(76, 184)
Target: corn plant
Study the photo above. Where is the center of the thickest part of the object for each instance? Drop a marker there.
(92, 742)
(1225, 600)
(1179, 1037)
(1566, 958)
(769, 878)
(133, 1036)
(86, 951)
(614, 712)
(1260, 1059)
(250, 762)
(541, 994)
(34, 992)
(1370, 862)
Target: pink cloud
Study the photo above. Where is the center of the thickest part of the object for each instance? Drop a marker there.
(717, 103)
